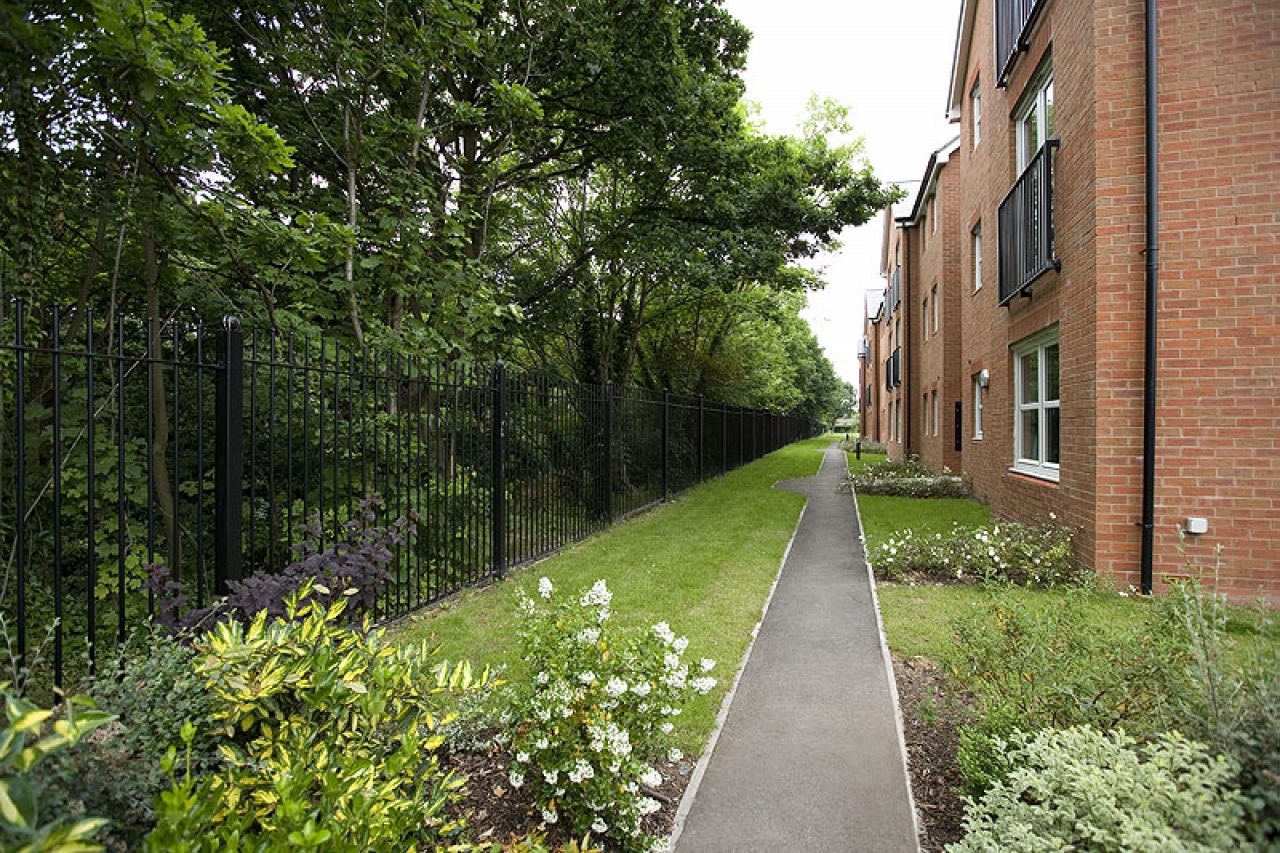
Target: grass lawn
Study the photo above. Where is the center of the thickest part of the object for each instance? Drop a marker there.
(704, 563)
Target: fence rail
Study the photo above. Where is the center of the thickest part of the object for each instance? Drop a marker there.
(129, 444)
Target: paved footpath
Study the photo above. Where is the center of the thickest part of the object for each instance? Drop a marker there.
(810, 756)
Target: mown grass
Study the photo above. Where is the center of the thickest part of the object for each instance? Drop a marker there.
(704, 562)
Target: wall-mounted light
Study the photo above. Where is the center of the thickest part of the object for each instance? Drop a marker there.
(984, 378)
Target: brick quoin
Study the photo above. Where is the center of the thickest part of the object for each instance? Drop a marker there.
(1218, 387)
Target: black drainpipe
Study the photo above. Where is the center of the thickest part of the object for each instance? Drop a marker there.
(1149, 383)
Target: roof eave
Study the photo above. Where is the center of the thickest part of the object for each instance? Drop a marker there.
(959, 60)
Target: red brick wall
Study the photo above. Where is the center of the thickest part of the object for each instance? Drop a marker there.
(1219, 367)
(1219, 274)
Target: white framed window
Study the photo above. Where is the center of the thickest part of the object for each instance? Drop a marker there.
(924, 414)
(924, 317)
(935, 309)
(976, 239)
(933, 214)
(937, 421)
(899, 420)
(975, 111)
(1034, 114)
(977, 405)
(1036, 411)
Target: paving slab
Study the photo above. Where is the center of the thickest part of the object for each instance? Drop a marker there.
(810, 754)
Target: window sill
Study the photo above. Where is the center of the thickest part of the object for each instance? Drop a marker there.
(1036, 472)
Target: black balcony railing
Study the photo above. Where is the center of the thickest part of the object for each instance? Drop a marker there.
(1013, 22)
(893, 369)
(1026, 226)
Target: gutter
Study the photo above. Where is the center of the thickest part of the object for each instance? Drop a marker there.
(1152, 253)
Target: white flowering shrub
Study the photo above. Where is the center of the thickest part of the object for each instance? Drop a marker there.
(1080, 789)
(1023, 554)
(601, 705)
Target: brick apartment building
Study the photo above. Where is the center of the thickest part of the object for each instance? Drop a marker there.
(1014, 326)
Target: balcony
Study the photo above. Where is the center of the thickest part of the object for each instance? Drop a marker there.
(1026, 227)
(1013, 21)
(893, 370)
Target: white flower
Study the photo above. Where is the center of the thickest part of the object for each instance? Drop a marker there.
(675, 755)
(671, 661)
(680, 645)
(707, 664)
(516, 778)
(541, 744)
(663, 630)
(544, 587)
(616, 687)
(641, 689)
(677, 679)
(702, 686)
(599, 826)
(597, 596)
(522, 757)
(580, 772)
(587, 677)
(648, 805)
(550, 816)
(667, 728)
(650, 778)
(543, 678)
(551, 776)
(588, 635)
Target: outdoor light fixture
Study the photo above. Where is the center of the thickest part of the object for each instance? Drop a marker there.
(984, 378)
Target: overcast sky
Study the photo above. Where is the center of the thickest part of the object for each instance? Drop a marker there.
(889, 61)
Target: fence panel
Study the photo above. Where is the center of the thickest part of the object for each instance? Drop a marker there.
(208, 453)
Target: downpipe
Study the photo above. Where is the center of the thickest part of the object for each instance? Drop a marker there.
(1152, 292)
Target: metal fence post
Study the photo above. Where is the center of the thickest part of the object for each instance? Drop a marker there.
(608, 451)
(702, 435)
(228, 459)
(498, 518)
(666, 442)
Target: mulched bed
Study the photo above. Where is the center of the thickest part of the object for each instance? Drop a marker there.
(495, 811)
(930, 719)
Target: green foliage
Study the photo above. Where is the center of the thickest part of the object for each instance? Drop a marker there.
(152, 690)
(31, 735)
(329, 740)
(599, 707)
(1083, 790)
(908, 477)
(1234, 691)
(1042, 666)
(1027, 555)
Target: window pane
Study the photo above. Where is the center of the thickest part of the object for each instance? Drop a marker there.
(1030, 379)
(1051, 372)
(1051, 436)
(1048, 111)
(1030, 435)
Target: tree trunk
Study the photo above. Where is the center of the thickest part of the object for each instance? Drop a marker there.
(159, 411)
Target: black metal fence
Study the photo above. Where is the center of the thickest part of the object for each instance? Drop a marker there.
(129, 444)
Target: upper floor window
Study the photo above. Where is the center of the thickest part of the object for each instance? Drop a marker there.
(935, 309)
(976, 238)
(933, 214)
(975, 113)
(924, 317)
(1034, 116)
(1036, 418)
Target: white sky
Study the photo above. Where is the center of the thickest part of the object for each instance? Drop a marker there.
(889, 61)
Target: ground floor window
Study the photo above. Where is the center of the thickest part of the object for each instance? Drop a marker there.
(1036, 418)
(978, 380)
